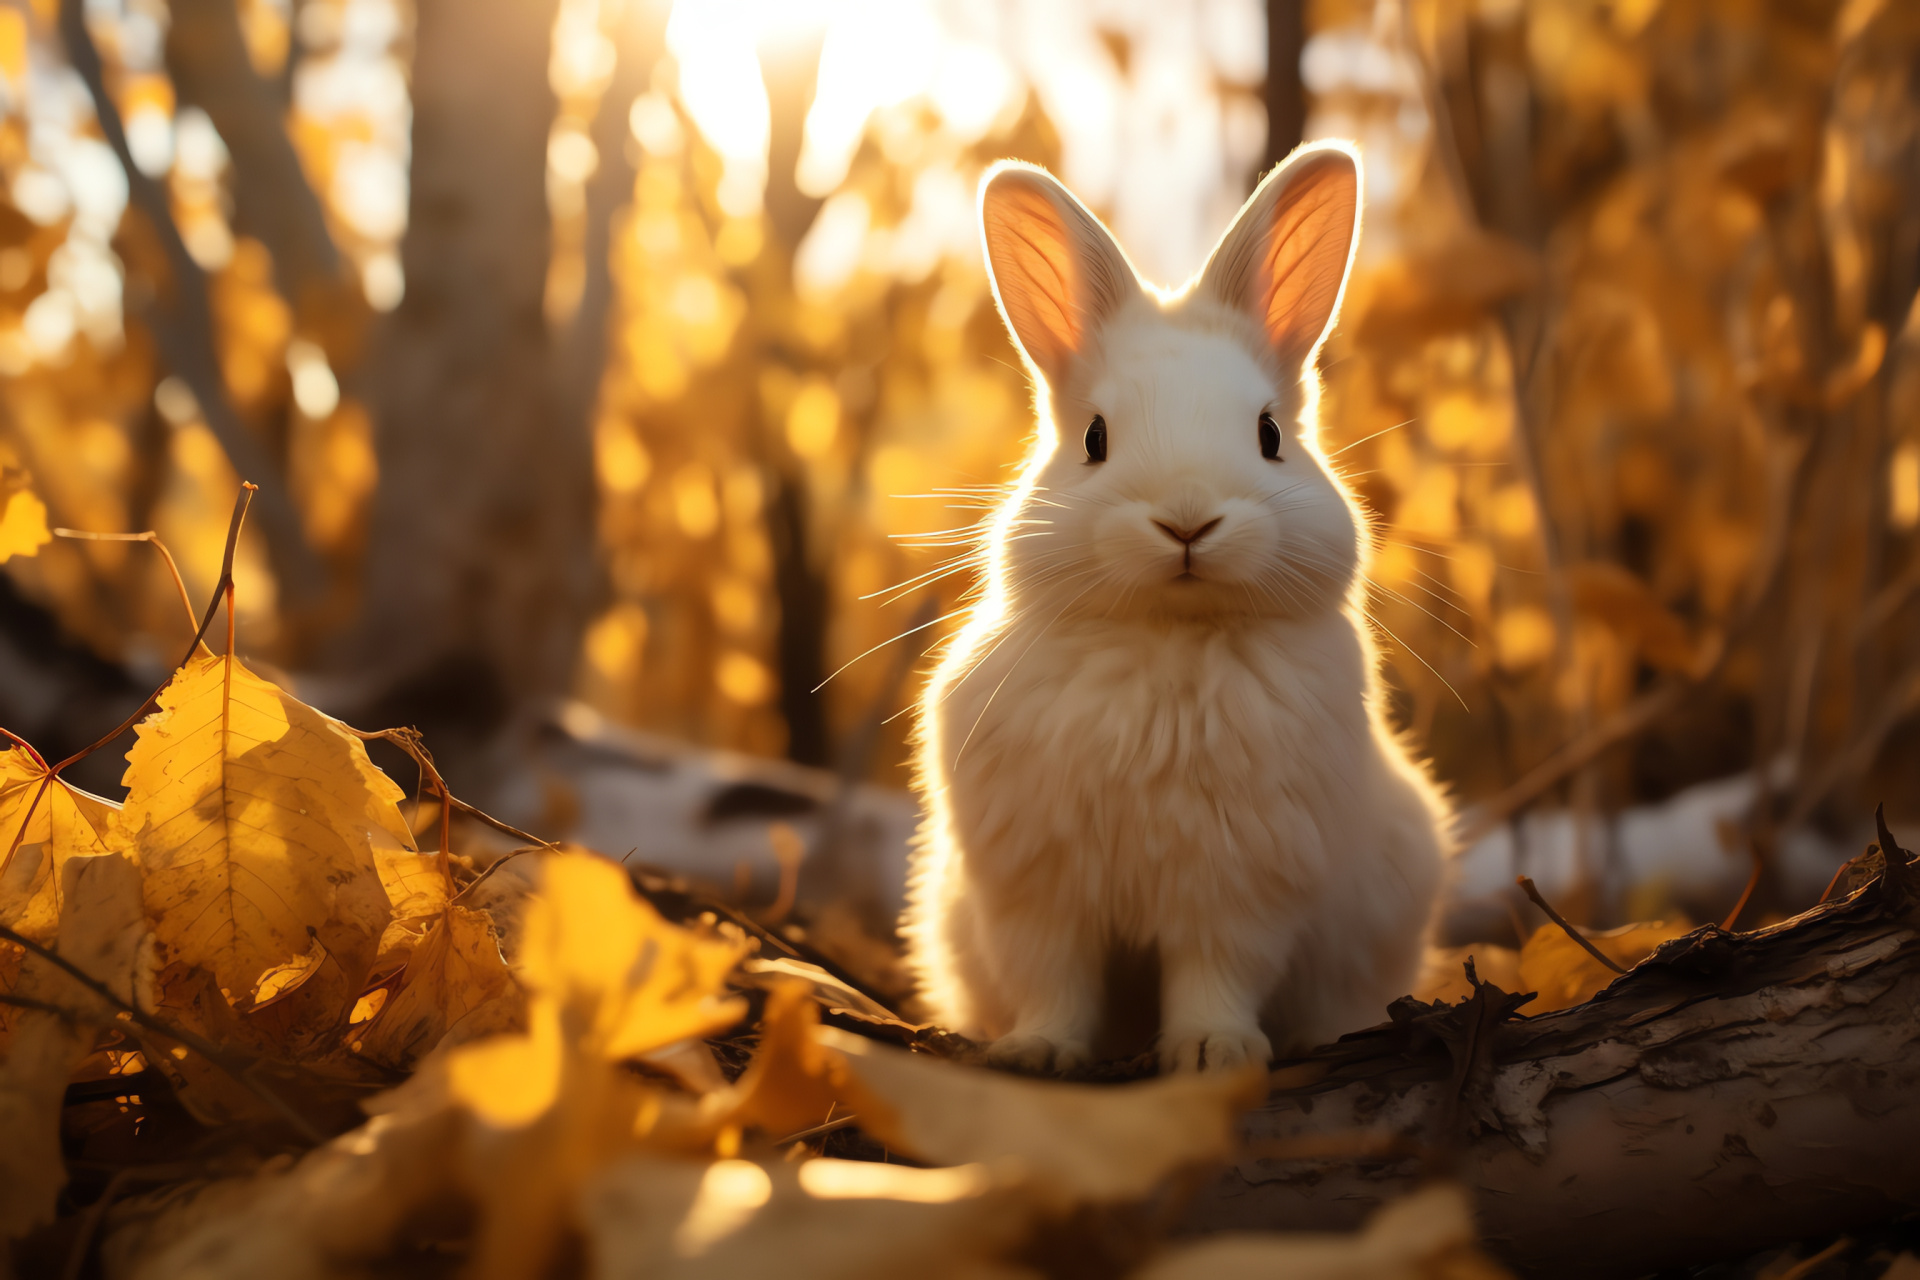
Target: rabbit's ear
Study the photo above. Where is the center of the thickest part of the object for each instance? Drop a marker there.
(1284, 261)
(1057, 272)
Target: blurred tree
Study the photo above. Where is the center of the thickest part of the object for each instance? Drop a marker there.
(1286, 98)
(480, 563)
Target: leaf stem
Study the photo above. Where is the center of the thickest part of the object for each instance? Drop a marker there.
(1526, 883)
(149, 536)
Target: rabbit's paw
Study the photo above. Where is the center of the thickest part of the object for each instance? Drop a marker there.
(1223, 1050)
(1032, 1051)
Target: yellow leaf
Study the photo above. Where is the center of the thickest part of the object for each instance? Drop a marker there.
(818, 1220)
(626, 981)
(455, 970)
(100, 931)
(1564, 974)
(23, 526)
(1071, 1144)
(256, 819)
(43, 823)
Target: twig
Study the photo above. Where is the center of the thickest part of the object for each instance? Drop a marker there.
(410, 741)
(838, 1122)
(1844, 867)
(1526, 883)
(205, 1048)
(1753, 882)
(223, 589)
(186, 335)
(149, 536)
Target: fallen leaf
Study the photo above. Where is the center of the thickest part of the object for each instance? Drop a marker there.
(1564, 974)
(1070, 1144)
(255, 818)
(818, 1220)
(454, 971)
(1427, 1235)
(44, 823)
(626, 981)
(101, 931)
(368, 1196)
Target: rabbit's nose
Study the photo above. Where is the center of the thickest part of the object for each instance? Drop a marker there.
(1187, 537)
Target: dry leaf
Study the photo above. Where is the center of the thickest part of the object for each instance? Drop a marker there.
(1428, 1235)
(608, 979)
(453, 972)
(355, 1201)
(101, 931)
(627, 982)
(819, 1220)
(44, 823)
(1562, 972)
(1069, 1143)
(256, 819)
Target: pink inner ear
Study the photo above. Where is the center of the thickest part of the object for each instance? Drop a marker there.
(1028, 243)
(1305, 256)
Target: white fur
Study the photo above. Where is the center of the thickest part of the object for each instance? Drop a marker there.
(1112, 754)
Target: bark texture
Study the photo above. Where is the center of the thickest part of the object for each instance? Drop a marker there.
(1733, 1092)
(480, 562)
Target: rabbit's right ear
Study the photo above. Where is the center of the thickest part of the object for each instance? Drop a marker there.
(1285, 259)
(1056, 271)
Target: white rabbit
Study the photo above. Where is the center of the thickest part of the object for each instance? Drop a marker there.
(1162, 727)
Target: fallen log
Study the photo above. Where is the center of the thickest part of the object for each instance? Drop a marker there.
(1732, 1092)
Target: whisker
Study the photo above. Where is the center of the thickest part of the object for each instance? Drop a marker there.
(1375, 436)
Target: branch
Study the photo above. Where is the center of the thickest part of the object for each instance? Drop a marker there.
(1732, 1092)
(183, 328)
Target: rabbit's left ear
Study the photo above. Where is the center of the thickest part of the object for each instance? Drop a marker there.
(1057, 273)
(1284, 261)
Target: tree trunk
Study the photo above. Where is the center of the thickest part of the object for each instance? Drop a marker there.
(480, 563)
(1286, 99)
(1735, 1091)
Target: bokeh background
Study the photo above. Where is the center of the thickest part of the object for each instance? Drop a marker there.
(616, 371)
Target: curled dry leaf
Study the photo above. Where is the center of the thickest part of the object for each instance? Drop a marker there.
(1068, 1144)
(624, 980)
(101, 931)
(454, 971)
(257, 819)
(1429, 1235)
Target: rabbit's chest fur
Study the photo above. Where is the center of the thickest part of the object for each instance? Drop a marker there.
(1161, 778)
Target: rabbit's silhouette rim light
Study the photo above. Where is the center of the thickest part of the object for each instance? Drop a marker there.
(1161, 728)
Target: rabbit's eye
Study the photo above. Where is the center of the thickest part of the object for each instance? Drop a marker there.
(1097, 439)
(1269, 437)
